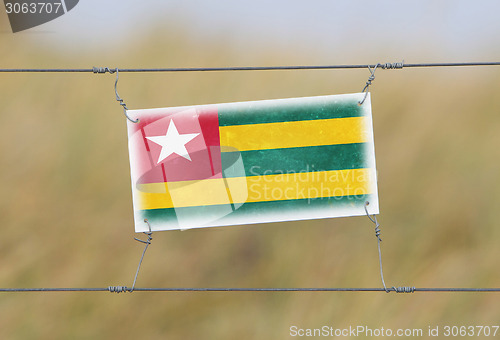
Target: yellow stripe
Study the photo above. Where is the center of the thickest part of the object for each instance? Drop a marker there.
(256, 189)
(295, 134)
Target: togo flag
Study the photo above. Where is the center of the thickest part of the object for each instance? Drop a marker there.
(252, 162)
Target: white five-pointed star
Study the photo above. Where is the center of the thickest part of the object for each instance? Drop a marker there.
(173, 142)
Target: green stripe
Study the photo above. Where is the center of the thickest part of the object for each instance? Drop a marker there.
(296, 160)
(288, 110)
(257, 209)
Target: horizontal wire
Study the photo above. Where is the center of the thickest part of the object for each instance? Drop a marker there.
(248, 68)
(125, 289)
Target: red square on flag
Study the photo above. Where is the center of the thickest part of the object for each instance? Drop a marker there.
(179, 146)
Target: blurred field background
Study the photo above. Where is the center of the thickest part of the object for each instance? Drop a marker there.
(66, 210)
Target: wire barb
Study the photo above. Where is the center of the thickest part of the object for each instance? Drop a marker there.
(102, 70)
(404, 289)
(118, 99)
(368, 82)
(392, 66)
(118, 289)
(147, 243)
(385, 66)
(373, 218)
(121, 289)
(377, 234)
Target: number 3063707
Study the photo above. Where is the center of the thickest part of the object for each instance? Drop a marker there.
(454, 331)
(33, 7)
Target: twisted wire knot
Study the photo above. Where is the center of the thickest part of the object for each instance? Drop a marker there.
(120, 101)
(378, 231)
(369, 81)
(392, 66)
(374, 221)
(403, 289)
(103, 70)
(118, 289)
(385, 66)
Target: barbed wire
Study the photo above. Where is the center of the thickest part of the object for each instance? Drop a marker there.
(398, 65)
(122, 289)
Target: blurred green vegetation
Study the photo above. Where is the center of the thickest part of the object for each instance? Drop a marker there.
(66, 210)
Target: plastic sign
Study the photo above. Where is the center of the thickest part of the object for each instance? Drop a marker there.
(252, 162)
